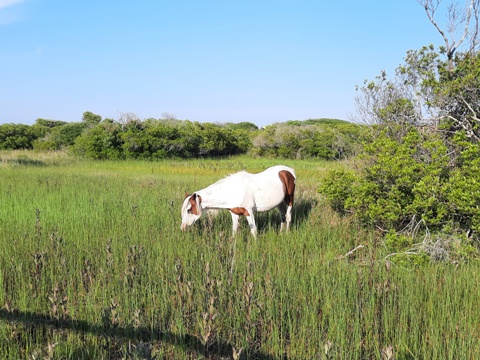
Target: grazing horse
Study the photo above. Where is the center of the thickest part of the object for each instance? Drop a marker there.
(243, 193)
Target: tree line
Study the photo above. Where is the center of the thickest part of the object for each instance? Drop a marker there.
(150, 139)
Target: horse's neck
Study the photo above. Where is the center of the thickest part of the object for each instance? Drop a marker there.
(212, 199)
(217, 195)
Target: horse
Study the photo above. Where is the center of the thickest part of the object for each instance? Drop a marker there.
(243, 194)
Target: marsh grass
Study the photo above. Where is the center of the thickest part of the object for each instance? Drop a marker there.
(93, 265)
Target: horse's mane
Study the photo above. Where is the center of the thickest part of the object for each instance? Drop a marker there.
(227, 178)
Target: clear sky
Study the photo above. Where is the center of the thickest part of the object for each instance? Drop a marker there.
(263, 61)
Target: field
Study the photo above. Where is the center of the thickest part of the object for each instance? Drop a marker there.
(93, 265)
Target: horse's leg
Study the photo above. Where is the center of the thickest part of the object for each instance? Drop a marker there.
(283, 211)
(251, 223)
(288, 181)
(288, 216)
(235, 223)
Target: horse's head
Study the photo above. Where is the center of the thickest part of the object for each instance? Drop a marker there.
(191, 210)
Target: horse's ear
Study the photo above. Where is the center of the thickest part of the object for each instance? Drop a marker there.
(198, 203)
(186, 193)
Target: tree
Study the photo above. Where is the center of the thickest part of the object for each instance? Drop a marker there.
(168, 116)
(100, 142)
(60, 136)
(19, 136)
(423, 166)
(428, 90)
(245, 125)
(462, 26)
(329, 140)
(91, 119)
(456, 102)
(50, 123)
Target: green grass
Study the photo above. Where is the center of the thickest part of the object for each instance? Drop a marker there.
(94, 265)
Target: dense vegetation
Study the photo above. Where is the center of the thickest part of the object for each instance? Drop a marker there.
(132, 138)
(323, 139)
(418, 181)
(94, 266)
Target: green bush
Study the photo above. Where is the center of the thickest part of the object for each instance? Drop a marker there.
(337, 188)
(157, 139)
(411, 184)
(101, 141)
(324, 139)
(60, 136)
(399, 181)
(19, 136)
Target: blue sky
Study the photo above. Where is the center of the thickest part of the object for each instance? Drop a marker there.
(261, 61)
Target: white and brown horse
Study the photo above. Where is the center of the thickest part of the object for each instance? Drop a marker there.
(244, 194)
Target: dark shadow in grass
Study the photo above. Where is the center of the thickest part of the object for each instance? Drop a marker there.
(264, 220)
(300, 213)
(39, 322)
(302, 209)
(26, 162)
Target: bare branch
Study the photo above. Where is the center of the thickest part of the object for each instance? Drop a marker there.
(474, 113)
(467, 126)
(168, 116)
(351, 252)
(468, 19)
(474, 35)
(430, 9)
(127, 117)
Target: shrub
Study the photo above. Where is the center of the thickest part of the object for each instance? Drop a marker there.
(337, 188)
(100, 142)
(329, 140)
(19, 136)
(399, 180)
(59, 136)
(409, 181)
(157, 139)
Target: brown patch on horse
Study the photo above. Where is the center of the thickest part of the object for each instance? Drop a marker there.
(240, 211)
(288, 181)
(194, 209)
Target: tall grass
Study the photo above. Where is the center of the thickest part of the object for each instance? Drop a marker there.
(94, 265)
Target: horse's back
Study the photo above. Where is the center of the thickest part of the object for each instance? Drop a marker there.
(276, 169)
(268, 188)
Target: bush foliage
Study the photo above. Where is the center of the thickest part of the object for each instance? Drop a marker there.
(19, 136)
(158, 139)
(419, 175)
(132, 138)
(326, 139)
